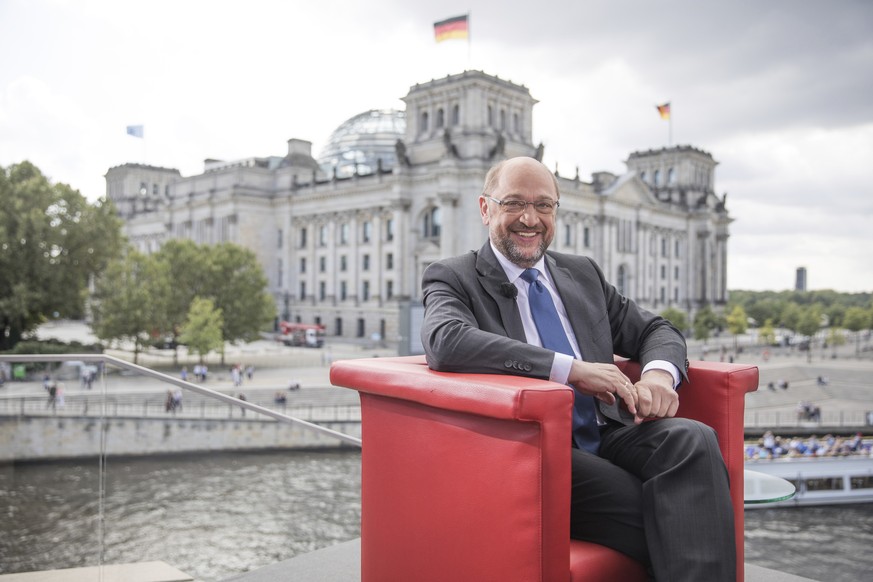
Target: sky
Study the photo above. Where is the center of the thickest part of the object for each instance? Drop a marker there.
(780, 92)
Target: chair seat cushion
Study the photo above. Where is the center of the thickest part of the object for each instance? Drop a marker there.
(591, 562)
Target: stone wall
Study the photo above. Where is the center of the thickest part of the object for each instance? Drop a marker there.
(50, 438)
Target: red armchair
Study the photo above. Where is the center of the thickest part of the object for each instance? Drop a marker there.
(466, 477)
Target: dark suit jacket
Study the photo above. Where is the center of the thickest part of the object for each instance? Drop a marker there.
(471, 326)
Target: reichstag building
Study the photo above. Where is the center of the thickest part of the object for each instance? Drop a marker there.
(344, 238)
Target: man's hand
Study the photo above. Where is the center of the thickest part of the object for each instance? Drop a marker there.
(655, 396)
(652, 397)
(604, 382)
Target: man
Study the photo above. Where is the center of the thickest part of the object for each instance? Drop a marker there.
(656, 491)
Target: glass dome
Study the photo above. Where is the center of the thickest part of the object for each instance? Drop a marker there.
(363, 140)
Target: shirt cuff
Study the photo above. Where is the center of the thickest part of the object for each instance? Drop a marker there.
(662, 365)
(561, 368)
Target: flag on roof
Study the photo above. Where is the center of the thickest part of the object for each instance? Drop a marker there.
(136, 130)
(455, 27)
(664, 110)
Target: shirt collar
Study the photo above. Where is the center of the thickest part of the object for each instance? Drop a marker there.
(512, 270)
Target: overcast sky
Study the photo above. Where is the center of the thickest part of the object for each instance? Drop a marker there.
(780, 92)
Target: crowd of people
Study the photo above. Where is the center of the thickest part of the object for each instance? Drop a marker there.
(771, 446)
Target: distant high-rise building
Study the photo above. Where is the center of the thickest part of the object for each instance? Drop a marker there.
(800, 280)
(343, 239)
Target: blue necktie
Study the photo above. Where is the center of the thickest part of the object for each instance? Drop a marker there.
(586, 435)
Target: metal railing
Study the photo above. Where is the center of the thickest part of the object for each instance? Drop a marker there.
(232, 402)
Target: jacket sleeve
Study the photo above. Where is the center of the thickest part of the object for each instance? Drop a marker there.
(462, 330)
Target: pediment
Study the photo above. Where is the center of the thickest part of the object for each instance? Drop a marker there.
(629, 189)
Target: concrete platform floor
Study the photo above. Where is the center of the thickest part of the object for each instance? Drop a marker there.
(341, 563)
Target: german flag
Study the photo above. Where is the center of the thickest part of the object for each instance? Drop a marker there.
(456, 27)
(664, 110)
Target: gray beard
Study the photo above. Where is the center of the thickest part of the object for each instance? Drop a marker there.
(511, 252)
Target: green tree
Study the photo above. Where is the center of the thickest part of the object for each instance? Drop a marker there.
(202, 329)
(737, 323)
(122, 306)
(704, 322)
(766, 334)
(855, 320)
(52, 242)
(676, 317)
(790, 316)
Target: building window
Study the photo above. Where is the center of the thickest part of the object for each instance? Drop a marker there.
(338, 326)
(568, 235)
(664, 247)
(389, 229)
(302, 290)
(365, 291)
(441, 117)
(622, 279)
(643, 176)
(676, 273)
(456, 115)
(432, 223)
(343, 263)
(365, 262)
(322, 235)
(515, 126)
(279, 272)
(424, 122)
(322, 264)
(490, 116)
(303, 265)
(155, 189)
(663, 272)
(586, 237)
(676, 294)
(663, 295)
(279, 239)
(676, 248)
(344, 233)
(343, 291)
(389, 289)
(389, 261)
(322, 291)
(361, 326)
(657, 177)
(502, 119)
(367, 231)
(302, 238)
(671, 176)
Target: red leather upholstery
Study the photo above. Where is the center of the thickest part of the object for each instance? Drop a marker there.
(465, 477)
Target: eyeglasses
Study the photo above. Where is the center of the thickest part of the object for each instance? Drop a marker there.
(518, 206)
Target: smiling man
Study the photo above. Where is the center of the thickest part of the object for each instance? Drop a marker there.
(657, 491)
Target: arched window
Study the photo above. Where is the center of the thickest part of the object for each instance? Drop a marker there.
(424, 122)
(515, 126)
(441, 117)
(432, 223)
(671, 176)
(490, 116)
(456, 115)
(502, 119)
(657, 177)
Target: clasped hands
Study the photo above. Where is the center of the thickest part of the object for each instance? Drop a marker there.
(652, 397)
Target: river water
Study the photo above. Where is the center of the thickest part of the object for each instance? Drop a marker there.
(217, 515)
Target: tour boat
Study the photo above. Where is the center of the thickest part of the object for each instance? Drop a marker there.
(817, 480)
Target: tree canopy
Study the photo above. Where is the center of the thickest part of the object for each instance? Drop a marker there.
(52, 241)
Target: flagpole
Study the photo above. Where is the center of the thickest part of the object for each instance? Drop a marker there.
(469, 39)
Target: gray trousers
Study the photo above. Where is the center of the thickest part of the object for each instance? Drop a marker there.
(659, 493)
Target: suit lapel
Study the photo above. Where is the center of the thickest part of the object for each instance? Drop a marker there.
(573, 297)
(491, 277)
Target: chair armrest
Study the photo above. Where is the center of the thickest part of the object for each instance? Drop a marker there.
(464, 476)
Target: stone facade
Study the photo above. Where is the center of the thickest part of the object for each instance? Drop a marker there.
(349, 252)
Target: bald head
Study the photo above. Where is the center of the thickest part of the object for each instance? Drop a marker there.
(522, 164)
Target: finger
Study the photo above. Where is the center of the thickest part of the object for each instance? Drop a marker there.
(627, 393)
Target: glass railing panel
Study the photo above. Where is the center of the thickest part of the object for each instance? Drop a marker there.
(115, 474)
